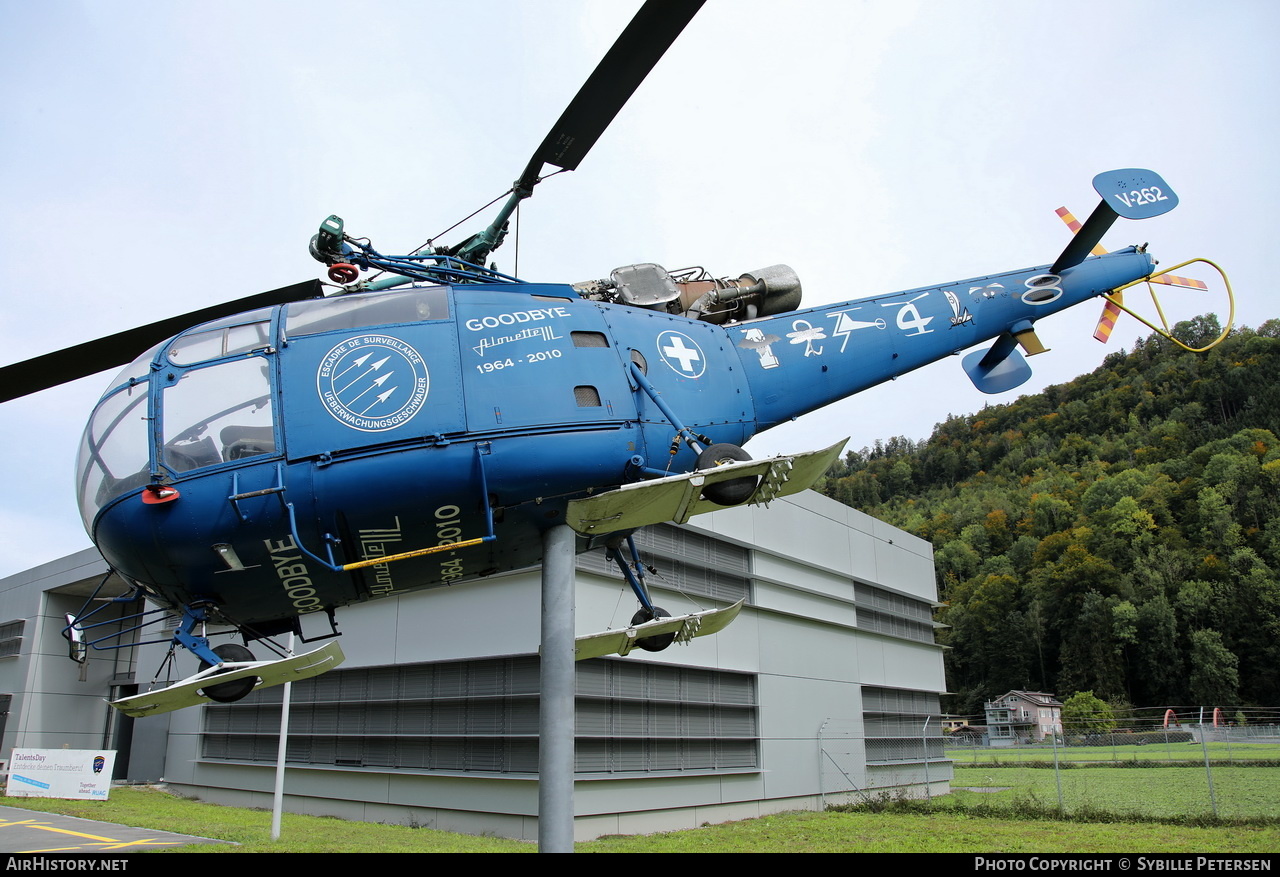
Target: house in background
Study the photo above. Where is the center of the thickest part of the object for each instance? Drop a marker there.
(1023, 717)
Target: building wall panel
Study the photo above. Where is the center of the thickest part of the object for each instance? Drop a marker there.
(834, 599)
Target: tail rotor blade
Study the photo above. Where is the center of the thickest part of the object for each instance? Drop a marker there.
(1107, 322)
(1110, 311)
(1181, 282)
(1133, 193)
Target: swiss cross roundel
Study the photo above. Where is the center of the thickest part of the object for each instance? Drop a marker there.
(682, 354)
(373, 382)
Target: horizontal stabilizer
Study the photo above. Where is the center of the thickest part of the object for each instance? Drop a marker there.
(679, 497)
(1135, 193)
(685, 627)
(996, 374)
(188, 691)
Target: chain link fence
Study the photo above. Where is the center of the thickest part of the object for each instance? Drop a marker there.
(1227, 771)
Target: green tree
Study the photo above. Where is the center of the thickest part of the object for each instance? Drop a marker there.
(1090, 654)
(1198, 331)
(1082, 712)
(1215, 677)
(1159, 676)
(1084, 533)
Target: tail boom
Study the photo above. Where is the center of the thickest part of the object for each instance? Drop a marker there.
(800, 361)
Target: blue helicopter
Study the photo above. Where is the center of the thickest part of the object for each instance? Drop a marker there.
(293, 452)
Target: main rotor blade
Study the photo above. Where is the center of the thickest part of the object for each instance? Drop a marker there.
(71, 363)
(648, 36)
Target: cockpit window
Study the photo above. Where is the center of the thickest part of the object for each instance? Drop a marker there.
(348, 312)
(217, 415)
(114, 451)
(138, 369)
(219, 342)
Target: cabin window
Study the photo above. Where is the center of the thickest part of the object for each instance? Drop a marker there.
(218, 415)
(348, 312)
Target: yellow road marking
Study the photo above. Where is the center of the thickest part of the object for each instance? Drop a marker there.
(103, 843)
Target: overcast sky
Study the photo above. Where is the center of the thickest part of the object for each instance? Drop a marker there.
(156, 157)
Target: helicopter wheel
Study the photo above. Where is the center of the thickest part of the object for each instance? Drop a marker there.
(732, 492)
(230, 692)
(653, 643)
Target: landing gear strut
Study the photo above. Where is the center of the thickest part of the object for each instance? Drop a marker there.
(647, 612)
(732, 492)
(231, 662)
(227, 673)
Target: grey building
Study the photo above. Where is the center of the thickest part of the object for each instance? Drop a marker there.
(825, 689)
(46, 700)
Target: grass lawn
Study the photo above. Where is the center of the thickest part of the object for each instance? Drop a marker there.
(144, 807)
(1166, 792)
(959, 831)
(1179, 752)
(939, 833)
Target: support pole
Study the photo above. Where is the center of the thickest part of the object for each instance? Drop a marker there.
(555, 710)
(277, 799)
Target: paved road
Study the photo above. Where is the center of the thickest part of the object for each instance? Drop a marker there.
(28, 831)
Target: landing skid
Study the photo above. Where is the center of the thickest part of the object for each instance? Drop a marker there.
(679, 497)
(685, 627)
(188, 691)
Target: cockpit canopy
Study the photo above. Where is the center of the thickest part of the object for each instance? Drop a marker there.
(209, 395)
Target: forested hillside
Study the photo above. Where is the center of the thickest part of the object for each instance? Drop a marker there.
(1120, 533)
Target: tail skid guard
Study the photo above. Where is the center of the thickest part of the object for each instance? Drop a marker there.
(187, 692)
(679, 497)
(685, 627)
